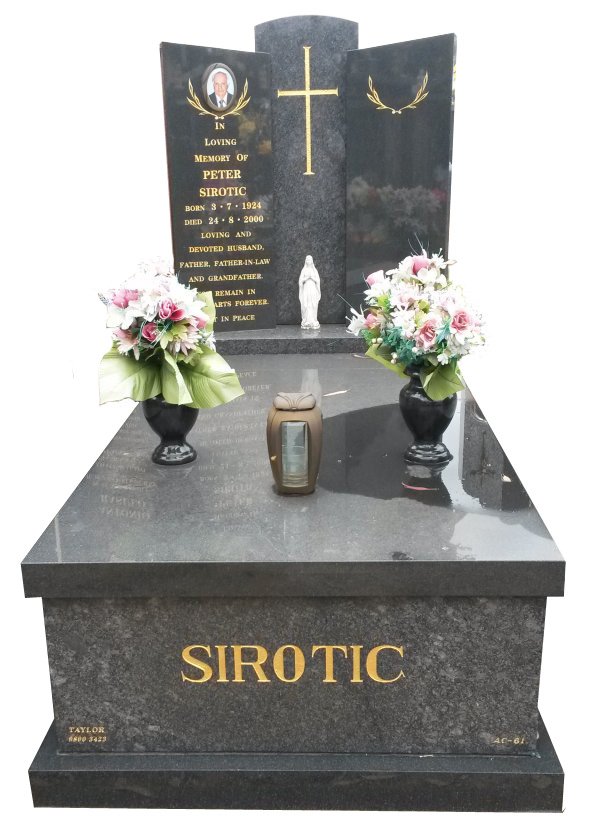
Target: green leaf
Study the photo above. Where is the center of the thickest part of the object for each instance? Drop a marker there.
(382, 354)
(174, 388)
(210, 380)
(122, 377)
(442, 382)
(209, 309)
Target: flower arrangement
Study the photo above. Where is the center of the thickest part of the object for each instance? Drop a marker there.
(416, 317)
(163, 343)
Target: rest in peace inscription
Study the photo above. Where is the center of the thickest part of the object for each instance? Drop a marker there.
(218, 125)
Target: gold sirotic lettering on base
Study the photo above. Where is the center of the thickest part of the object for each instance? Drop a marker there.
(287, 663)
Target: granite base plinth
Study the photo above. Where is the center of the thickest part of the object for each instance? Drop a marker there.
(290, 338)
(299, 782)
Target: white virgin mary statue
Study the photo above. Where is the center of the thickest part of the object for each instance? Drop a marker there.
(309, 285)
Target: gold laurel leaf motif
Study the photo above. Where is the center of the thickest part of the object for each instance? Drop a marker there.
(421, 95)
(242, 102)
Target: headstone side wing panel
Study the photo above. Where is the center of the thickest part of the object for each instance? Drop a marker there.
(399, 151)
(218, 130)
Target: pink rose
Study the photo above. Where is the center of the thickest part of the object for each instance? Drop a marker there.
(371, 321)
(461, 321)
(165, 308)
(150, 332)
(425, 336)
(420, 262)
(122, 297)
(177, 314)
(169, 309)
(375, 277)
(199, 323)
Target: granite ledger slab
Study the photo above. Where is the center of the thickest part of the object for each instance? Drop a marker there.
(374, 527)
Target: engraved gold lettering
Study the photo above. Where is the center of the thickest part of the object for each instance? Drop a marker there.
(279, 666)
(356, 677)
(221, 142)
(371, 663)
(329, 649)
(188, 657)
(232, 173)
(215, 157)
(231, 191)
(222, 663)
(256, 664)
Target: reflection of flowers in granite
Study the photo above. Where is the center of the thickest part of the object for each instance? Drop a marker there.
(377, 214)
(247, 129)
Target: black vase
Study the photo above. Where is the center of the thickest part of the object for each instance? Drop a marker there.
(427, 420)
(172, 424)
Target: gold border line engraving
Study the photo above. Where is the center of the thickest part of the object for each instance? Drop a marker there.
(307, 92)
(202, 111)
(421, 95)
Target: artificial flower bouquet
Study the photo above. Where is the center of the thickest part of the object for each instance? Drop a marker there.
(416, 317)
(163, 343)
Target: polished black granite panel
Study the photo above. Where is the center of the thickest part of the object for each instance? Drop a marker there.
(308, 53)
(461, 675)
(398, 164)
(221, 179)
(217, 527)
(300, 782)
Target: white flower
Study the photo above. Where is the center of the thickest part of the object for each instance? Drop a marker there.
(357, 322)
(381, 287)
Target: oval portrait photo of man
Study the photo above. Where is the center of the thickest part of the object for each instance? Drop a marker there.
(220, 87)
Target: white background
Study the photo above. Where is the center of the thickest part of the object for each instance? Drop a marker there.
(84, 184)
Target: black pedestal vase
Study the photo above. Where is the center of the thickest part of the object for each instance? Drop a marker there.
(172, 424)
(427, 420)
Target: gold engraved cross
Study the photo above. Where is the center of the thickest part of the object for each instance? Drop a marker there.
(307, 93)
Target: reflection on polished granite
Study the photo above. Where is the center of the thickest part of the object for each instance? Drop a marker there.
(396, 528)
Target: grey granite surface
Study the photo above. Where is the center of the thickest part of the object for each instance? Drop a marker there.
(289, 338)
(301, 782)
(310, 210)
(217, 527)
(470, 673)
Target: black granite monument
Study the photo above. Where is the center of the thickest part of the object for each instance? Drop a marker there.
(264, 640)
(374, 645)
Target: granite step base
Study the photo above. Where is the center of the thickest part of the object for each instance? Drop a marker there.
(289, 338)
(299, 782)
